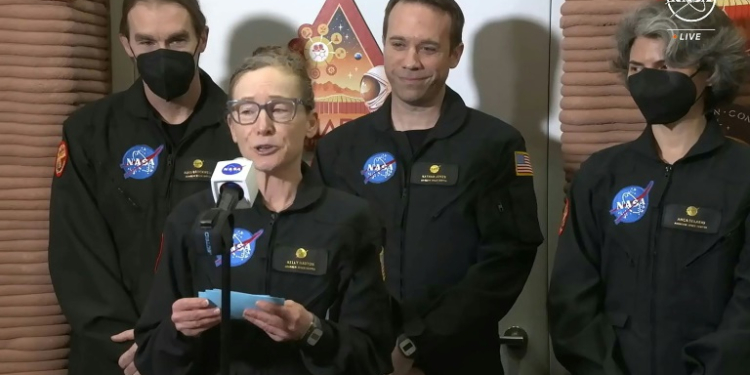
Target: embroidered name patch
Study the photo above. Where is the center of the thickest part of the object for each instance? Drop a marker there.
(691, 218)
(434, 174)
(300, 260)
(192, 169)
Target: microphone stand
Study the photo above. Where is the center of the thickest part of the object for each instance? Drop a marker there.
(219, 223)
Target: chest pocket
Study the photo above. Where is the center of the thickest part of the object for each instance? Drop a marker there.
(697, 231)
(118, 202)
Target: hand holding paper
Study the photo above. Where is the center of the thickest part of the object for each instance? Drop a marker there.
(239, 301)
(288, 322)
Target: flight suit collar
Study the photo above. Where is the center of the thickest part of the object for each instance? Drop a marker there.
(711, 139)
(309, 191)
(209, 110)
(452, 117)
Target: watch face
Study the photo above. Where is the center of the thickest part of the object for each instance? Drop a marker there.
(315, 336)
(407, 347)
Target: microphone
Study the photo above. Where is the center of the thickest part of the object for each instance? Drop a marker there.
(234, 184)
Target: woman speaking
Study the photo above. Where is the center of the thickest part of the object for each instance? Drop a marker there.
(334, 319)
(652, 272)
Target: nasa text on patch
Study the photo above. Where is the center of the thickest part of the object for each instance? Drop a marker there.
(379, 168)
(194, 169)
(692, 218)
(140, 162)
(434, 174)
(523, 164)
(630, 203)
(243, 247)
(300, 260)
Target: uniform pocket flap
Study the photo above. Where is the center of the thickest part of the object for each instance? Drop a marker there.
(618, 319)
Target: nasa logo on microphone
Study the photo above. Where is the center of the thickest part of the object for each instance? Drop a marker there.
(140, 162)
(231, 169)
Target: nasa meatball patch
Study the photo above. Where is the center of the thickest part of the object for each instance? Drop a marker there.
(140, 162)
(243, 247)
(630, 203)
(379, 168)
(62, 158)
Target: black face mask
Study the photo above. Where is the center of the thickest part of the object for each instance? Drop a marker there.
(167, 73)
(663, 96)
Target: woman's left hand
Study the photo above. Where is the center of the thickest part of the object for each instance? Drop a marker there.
(289, 322)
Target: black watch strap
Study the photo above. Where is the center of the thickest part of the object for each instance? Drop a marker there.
(314, 333)
(406, 346)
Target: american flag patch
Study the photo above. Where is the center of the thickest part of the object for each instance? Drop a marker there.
(523, 164)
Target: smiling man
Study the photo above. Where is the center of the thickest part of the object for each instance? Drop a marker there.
(454, 191)
(123, 163)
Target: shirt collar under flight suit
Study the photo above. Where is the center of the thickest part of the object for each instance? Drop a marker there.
(711, 139)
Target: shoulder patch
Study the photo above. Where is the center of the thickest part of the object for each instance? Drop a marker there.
(523, 164)
(62, 158)
(566, 210)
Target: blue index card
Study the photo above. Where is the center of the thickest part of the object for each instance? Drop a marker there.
(239, 301)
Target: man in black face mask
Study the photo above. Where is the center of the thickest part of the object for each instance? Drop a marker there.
(123, 163)
(652, 271)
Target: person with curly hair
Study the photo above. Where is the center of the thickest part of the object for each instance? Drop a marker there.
(652, 271)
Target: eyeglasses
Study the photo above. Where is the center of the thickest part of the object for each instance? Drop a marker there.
(246, 112)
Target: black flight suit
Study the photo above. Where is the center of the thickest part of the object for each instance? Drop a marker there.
(652, 272)
(340, 241)
(460, 224)
(108, 206)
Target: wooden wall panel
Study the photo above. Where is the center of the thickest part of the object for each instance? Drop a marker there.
(596, 109)
(54, 57)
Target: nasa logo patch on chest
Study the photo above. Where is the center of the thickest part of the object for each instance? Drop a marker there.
(631, 203)
(140, 162)
(243, 247)
(379, 168)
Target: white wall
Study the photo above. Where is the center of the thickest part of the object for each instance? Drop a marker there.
(511, 69)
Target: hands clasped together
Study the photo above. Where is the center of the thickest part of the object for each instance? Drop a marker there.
(289, 322)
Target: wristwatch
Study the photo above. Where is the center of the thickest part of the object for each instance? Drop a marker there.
(406, 346)
(314, 333)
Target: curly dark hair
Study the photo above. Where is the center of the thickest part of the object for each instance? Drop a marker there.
(720, 52)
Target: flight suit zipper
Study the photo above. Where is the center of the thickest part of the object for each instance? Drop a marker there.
(128, 198)
(170, 177)
(654, 258)
(269, 253)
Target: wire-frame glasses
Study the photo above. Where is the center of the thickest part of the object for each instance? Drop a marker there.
(246, 112)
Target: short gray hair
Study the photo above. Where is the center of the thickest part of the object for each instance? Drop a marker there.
(720, 52)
